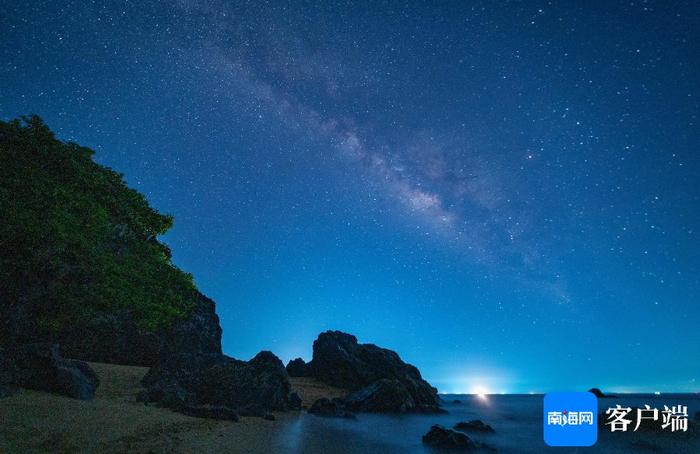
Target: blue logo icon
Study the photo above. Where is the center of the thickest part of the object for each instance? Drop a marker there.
(570, 419)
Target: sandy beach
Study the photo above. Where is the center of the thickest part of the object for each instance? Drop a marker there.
(33, 421)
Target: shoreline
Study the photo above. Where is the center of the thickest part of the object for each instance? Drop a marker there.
(36, 421)
(114, 421)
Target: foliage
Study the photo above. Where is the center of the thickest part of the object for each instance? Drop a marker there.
(75, 240)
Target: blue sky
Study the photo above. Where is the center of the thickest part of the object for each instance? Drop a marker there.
(506, 194)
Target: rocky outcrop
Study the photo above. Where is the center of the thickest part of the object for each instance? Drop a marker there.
(294, 401)
(379, 380)
(443, 438)
(199, 332)
(116, 337)
(253, 388)
(599, 394)
(40, 366)
(297, 368)
(113, 338)
(334, 408)
(382, 396)
(475, 425)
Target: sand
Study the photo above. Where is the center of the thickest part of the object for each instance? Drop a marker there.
(33, 421)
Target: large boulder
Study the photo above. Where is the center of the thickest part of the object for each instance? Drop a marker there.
(334, 408)
(199, 332)
(382, 396)
(339, 360)
(475, 425)
(184, 381)
(294, 401)
(116, 337)
(40, 366)
(297, 368)
(443, 438)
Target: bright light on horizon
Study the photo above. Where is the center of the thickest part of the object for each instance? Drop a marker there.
(478, 381)
(481, 392)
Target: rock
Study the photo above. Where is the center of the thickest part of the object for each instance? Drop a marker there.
(199, 332)
(334, 408)
(338, 360)
(269, 417)
(599, 394)
(475, 425)
(110, 338)
(116, 338)
(76, 379)
(294, 401)
(210, 411)
(440, 437)
(40, 366)
(381, 396)
(297, 368)
(249, 388)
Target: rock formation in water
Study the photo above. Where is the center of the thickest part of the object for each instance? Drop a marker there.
(475, 425)
(378, 379)
(599, 394)
(443, 438)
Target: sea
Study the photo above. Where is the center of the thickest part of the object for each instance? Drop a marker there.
(516, 419)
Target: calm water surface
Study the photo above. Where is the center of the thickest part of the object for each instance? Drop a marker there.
(517, 420)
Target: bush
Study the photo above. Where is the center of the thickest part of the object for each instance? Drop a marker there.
(75, 240)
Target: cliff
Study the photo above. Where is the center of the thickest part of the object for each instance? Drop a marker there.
(80, 262)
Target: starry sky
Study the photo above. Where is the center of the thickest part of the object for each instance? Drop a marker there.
(506, 193)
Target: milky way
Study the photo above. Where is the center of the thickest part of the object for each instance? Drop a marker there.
(505, 193)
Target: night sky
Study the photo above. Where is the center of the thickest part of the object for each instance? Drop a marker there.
(504, 193)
